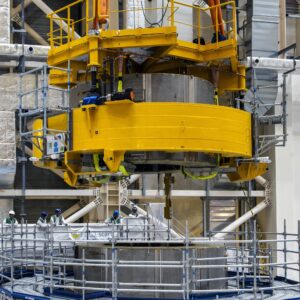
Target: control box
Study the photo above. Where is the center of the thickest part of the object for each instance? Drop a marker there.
(55, 144)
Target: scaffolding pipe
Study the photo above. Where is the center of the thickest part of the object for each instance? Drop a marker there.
(252, 212)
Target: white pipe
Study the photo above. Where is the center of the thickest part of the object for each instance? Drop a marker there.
(73, 209)
(47, 10)
(38, 38)
(18, 8)
(142, 212)
(157, 222)
(35, 35)
(252, 212)
(133, 178)
(85, 210)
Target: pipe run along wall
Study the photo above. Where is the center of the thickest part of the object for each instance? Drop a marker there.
(252, 212)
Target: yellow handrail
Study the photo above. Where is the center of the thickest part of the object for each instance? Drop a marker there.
(69, 24)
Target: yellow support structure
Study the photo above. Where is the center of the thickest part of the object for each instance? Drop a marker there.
(164, 38)
(248, 171)
(123, 126)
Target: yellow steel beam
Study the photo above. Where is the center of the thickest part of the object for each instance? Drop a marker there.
(231, 81)
(71, 51)
(138, 38)
(204, 53)
(164, 37)
(112, 39)
(60, 78)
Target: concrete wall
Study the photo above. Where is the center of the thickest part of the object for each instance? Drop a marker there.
(4, 21)
(9, 87)
(287, 172)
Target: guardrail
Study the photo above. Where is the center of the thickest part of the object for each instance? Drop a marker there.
(204, 24)
(246, 265)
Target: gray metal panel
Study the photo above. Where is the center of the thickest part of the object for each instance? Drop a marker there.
(170, 88)
(262, 27)
(264, 37)
(262, 41)
(159, 253)
(264, 7)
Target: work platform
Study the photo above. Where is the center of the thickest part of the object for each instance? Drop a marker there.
(165, 42)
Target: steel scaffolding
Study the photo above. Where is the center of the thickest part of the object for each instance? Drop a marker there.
(45, 260)
(34, 103)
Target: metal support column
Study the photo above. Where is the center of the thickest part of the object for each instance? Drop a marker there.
(254, 261)
(285, 249)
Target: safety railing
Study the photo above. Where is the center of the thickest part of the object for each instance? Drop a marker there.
(34, 94)
(63, 29)
(54, 262)
(195, 24)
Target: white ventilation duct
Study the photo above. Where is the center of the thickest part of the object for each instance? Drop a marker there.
(252, 212)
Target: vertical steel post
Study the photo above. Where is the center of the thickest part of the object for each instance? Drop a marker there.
(299, 250)
(36, 94)
(237, 268)
(83, 273)
(172, 13)
(34, 256)
(114, 266)
(284, 112)
(51, 260)
(87, 230)
(2, 251)
(69, 111)
(22, 70)
(204, 208)
(285, 250)
(254, 262)
(187, 261)
(199, 22)
(271, 269)
(12, 258)
(183, 274)
(127, 229)
(44, 97)
(26, 243)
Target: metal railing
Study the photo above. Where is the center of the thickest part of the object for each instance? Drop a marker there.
(246, 266)
(34, 94)
(187, 17)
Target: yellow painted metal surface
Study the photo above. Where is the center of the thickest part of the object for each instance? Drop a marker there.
(248, 171)
(163, 127)
(91, 47)
(123, 126)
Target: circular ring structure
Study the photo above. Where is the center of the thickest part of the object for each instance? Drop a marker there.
(179, 127)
